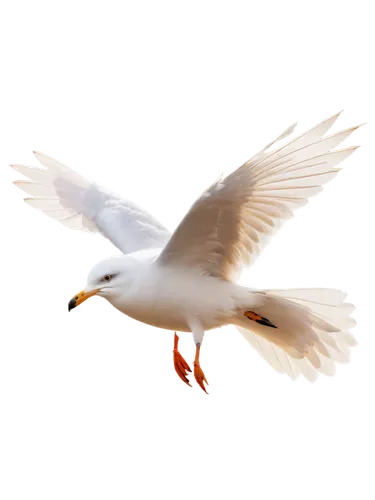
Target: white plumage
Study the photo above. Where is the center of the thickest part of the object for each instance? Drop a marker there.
(64, 195)
(186, 281)
(236, 217)
(322, 345)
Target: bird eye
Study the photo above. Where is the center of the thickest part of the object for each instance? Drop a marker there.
(107, 278)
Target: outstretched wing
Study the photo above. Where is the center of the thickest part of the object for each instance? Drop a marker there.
(230, 224)
(64, 195)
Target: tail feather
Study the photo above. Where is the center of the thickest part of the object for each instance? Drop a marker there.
(311, 335)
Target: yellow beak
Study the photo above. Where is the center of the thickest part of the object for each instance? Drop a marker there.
(80, 297)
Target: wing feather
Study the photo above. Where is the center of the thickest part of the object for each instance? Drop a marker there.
(77, 203)
(234, 219)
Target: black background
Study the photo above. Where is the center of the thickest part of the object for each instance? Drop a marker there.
(163, 153)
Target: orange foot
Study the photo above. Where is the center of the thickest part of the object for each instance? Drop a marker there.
(180, 365)
(202, 382)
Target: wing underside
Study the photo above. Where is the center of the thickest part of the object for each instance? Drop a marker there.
(77, 203)
(231, 223)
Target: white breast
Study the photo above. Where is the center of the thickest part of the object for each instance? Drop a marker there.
(167, 297)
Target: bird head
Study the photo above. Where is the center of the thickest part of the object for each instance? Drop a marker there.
(106, 279)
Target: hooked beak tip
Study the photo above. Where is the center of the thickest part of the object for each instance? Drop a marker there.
(72, 304)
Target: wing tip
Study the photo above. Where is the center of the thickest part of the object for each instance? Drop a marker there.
(337, 114)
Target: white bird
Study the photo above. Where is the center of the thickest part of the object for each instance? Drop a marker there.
(186, 281)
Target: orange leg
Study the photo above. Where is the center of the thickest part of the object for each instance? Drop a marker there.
(198, 373)
(180, 365)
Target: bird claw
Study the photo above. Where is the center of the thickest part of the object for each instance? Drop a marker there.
(199, 376)
(182, 368)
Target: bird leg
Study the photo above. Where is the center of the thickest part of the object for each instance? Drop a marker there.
(198, 372)
(180, 365)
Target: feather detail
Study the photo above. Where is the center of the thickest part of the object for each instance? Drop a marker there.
(64, 195)
(307, 335)
(235, 218)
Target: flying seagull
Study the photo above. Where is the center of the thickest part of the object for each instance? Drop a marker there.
(187, 281)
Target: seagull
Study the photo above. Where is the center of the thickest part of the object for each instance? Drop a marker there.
(187, 281)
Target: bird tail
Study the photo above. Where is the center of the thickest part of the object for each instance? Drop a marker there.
(300, 331)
